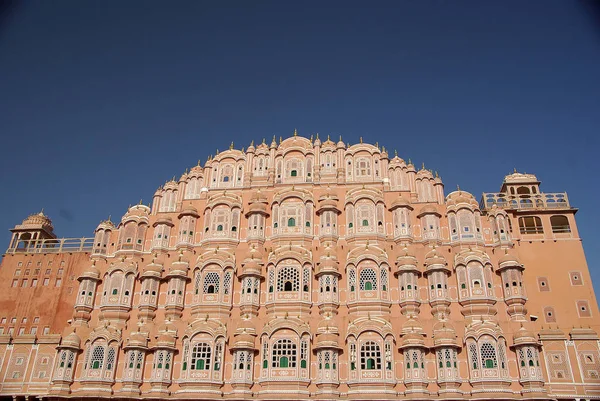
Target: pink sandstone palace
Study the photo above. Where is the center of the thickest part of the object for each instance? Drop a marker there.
(306, 269)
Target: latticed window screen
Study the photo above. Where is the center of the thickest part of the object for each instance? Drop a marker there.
(110, 360)
(489, 360)
(284, 354)
(247, 287)
(474, 356)
(368, 279)
(352, 279)
(97, 357)
(370, 356)
(384, 279)
(131, 358)
(197, 279)
(201, 355)
(211, 283)
(303, 353)
(306, 279)
(288, 279)
(226, 282)
(139, 359)
(502, 354)
(271, 279)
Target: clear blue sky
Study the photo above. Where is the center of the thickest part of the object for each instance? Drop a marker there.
(101, 102)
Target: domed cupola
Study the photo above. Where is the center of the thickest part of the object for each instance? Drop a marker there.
(32, 232)
(408, 274)
(412, 346)
(464, 218)
(511, 270)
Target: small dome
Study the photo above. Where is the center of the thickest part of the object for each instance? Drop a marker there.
(189, 210)
(509, 259)
(444, 335)
(163, 220)
(171, 184)
(72, 341)
(400, 202)
(244, 335)
(461, 197)
(406, 258)
(105, 225)
(91, 272)
(38, 220)
(137, 339)
(194, 171)
(524, 336)
(412, 334)
(429, 209)
(434, 258)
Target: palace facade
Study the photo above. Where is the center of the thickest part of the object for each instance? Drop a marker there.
(306, 270)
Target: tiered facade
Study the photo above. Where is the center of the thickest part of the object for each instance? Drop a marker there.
(306, 270)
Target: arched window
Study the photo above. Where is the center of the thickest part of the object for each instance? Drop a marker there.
(97, 357)
(291, 222)
(293, 173)
(211, 283)
(284, 354)
(560, 224)
(368, 280)
(489, 359)
(365, 223)
(370, 356)
(530, 225)
(220, 227)
(288, 279)
(201, 357)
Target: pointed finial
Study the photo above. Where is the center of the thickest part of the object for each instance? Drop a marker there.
(317, 135)
(140, 202)
(280, 140)
(361, 140)
(436, 174)
(395, 153)
(217, 152)
(295, 132)
(243, 149)
(340, 138)
(252, 143)
(377, 145)
(311, 137)
(514, 170)
(263, 142)
(458, 187)
(109, 216)
(231, 146)
(409, 161)
(423, 166)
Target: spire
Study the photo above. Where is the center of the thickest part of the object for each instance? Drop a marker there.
(361, 140)
(295, 132)
(252, 143)
(395, 153)
(423, 166)
(231, 146)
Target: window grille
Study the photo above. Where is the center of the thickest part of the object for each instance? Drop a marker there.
(370, 356)
(211, 283)
(489, 360)
(352, 279)
(97, 357)
(368, 279)
(284, 354)
(287, 279)
(201, 356)
(474, 356)
(226, 282)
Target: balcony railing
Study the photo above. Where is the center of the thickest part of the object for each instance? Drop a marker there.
(557, 200)
(57, 245)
